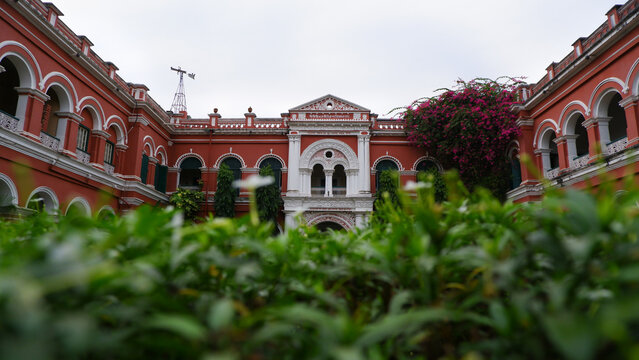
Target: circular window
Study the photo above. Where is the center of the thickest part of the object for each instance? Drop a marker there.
(328, 154)
(329, 106)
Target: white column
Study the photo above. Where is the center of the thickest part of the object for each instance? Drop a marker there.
(545, 158)
(367, 164)
(352, 187)
(571, 147)
(359, 220)
(328, 188)
(305, 182)
(604, 132)
(289, 221)
(363, 158)
(294, 143)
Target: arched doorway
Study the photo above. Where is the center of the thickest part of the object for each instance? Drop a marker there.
(329, 225)
(190, 173)
(318, 180)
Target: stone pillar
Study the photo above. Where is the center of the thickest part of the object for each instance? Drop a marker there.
(571, 148)
(150, 177)
(604, 132)
(289, 220)
(526, 147)
(69, 137)
(328, 188)
(351, 182)
(29, 111)
(544, 155)
(305, 182)
(359, 221)
(630, 107)
(363, 157)
(294, 146)
(172, 180)
(98, 143)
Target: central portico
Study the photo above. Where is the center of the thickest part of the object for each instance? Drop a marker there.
(329, 163)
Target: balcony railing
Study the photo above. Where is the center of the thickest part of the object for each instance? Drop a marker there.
(49, 141)
(83, 157)
(580, 161)
(616, 146)
(8, 122)
(552, 173)
(109, 169)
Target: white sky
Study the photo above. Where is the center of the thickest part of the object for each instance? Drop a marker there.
(277, 54)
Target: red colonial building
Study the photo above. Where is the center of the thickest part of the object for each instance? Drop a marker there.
(581, 118)
(75, 136)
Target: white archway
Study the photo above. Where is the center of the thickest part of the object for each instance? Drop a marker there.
(81, 204)
(8, 191)
(43, 198)
(329, 153)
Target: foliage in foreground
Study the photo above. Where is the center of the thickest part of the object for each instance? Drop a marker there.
(469, 128)
(469, 277)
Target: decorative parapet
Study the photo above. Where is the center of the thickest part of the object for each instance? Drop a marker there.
(82, 156)
(9, 122)
(552, 173)
(580, 162)
(109, 169)
(616, 146)
(49, 141)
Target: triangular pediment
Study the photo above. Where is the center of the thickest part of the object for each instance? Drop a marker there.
(329, 103)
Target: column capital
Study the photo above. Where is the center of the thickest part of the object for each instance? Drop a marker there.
(33, 92)
(542, 151)
(629, 101)
(121, 147)
(69, 115)
(329, 172)
(602, 119)
(101, 134)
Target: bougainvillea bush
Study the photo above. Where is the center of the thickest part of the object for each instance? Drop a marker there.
(468, 128)
(468, 278)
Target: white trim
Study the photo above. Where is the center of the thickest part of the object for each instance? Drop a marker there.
(12, 188)
(541, 125)
(50, 193)
(106, 208)
(563, 115)
(387, 157)
(96, 122)
(178, 162)
(427, 158)
(635, 83)
(624, 90)
(326, 144)
(152, 145)
(33, 79)
(113, 121)
(100, 114)
(219, 160)
(267, 156)
(61, 75)
(83, 203)
(165, 157)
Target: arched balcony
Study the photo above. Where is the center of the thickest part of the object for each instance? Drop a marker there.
(549, 154)
(611, 118)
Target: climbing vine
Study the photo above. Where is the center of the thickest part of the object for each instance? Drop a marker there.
(468, 128)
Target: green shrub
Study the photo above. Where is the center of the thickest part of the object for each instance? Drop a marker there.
(225, 193)
(469, 277)
(189, 201)
(269, 197)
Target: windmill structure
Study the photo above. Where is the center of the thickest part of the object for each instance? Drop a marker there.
(179, 100)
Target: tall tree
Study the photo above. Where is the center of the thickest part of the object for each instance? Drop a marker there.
(225, 193)
(269, 197)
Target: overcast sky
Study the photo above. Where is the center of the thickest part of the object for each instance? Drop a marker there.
(277, 54)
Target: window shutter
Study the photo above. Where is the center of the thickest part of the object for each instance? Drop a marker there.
(145, 168)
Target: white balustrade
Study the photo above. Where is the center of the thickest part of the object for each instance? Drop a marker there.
(49, 141)
(552, 173)
(82, 156)
(8, 122)
(617, 146)
(109, 169)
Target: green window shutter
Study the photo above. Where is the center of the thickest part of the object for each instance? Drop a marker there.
(160, 177)
(145, 168)
(164, 171)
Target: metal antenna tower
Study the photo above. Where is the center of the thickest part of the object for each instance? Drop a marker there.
(179, 100)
